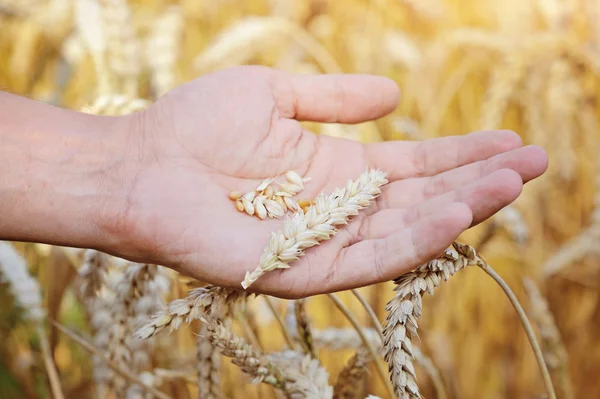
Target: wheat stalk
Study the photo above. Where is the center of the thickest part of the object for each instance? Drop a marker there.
(304, 230)
(352, 375)
(555, 353)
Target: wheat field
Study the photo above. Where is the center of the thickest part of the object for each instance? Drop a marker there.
(532, 66)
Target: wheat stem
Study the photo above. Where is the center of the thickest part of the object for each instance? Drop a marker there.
(113, 365)
(284, 330)
(374, 320)
(50, 366)
(368, 344)
(526, 325)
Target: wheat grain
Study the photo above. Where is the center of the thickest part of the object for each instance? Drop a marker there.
(200, 301)
(304, 230)
(264, 201)
(555, 353)
(352, 375)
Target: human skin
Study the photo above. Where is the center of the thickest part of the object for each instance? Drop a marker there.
(153, 186)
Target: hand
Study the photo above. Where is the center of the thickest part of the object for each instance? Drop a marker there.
(230, 129)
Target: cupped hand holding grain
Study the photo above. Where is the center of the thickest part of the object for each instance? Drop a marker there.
(162, 178)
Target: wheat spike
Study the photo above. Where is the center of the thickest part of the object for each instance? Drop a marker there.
(404, 310)
(352, 375)
(250, 360)
(25, 289)
(123, 49)
(504, 81)
(562, 103)
(305, 376)
(137, 295)
(162, 49)
(555, 353)
(209, 368)
(209, 300)
(303, 328)
(304, 230)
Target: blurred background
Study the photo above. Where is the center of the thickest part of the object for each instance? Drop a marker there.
(532, 66)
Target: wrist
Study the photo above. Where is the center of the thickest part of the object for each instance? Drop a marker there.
(66, 175)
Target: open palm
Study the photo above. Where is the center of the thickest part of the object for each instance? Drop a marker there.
(231, 129)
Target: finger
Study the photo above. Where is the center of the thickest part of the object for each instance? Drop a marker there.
(334, 98)
(529, 162)
(484, 197)
(373, 261)
(403, 159)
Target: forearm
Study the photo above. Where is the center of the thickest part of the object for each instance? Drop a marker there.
(61, 174)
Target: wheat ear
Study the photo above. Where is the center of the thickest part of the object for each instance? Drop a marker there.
(304, 230)
(404, 310)
(305, 377)
(303, 327)
(353, 373)
(209, 368)
(555, 353)
(250, 360)
(27, 293)
(208, 300)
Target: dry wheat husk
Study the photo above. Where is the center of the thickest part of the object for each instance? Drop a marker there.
(209, 368)
(304, 230)
(115, 105)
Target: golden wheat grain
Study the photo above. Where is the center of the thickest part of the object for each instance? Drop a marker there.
(305, 230)
(352, 375)
(555, 353)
